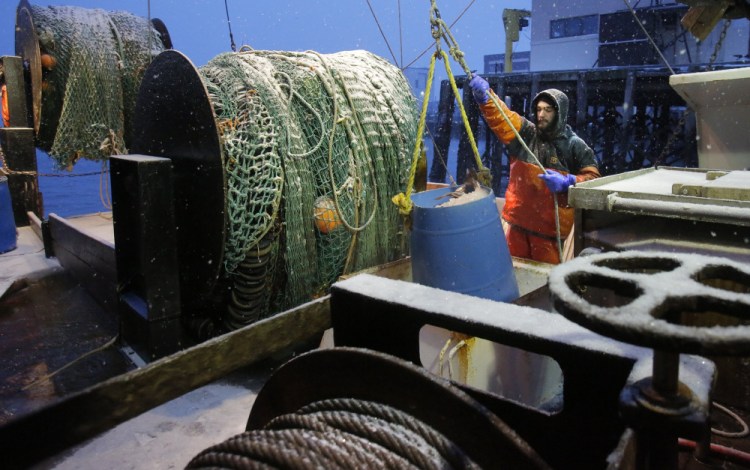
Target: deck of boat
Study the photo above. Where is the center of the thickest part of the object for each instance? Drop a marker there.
(48, 321)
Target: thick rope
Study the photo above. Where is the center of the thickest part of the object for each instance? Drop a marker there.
(440, 31)
(339, 433)
(403, 200)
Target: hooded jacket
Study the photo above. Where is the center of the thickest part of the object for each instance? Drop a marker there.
(529, 204)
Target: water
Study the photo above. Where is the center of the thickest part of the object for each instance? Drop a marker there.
(69, 193)
(82, 190)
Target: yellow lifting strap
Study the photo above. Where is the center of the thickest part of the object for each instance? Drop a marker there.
(440, 31)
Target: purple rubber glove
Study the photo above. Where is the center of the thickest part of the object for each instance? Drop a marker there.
(480, 89)
(557, 182)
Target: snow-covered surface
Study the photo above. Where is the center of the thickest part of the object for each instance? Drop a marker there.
(170, 435)
(690, 194)
(510, 317)
(465, 198)
(722, 107)
(693, 371)
(99, 226)
(657, 291)
(659, 181)
(26, 261)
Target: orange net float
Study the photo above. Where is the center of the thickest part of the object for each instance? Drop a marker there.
(48, 61)
(325, 215)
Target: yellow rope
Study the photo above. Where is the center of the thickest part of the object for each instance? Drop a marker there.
(482, 172)
(440, 31)
(403, 200)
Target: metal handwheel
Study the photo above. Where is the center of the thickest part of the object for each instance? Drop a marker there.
(672, 302)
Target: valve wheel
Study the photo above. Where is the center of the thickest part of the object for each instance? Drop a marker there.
(673, 302)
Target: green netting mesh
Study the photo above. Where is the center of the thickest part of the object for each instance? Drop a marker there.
(315, 146)
(89, 95)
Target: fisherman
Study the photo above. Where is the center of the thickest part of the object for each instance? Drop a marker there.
(4, 97)
(529, 211)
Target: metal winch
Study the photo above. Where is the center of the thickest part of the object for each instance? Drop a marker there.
(639, 387)
(671, 303)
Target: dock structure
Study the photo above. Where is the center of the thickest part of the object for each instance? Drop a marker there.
(630, 116)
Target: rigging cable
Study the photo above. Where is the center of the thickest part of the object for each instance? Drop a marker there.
(382, 33)
(148, 12)
(427, 49)
(400, 37)
(229, 25)
(687, 111)
(651, 40)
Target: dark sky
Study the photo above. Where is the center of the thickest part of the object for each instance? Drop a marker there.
(199, 27)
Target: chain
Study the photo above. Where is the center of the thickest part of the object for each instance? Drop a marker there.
(681, 123)
(719, 43)
(440, 30)
(5, 170)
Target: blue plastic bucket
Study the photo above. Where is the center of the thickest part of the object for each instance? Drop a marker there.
(461, 248)
(7, 223)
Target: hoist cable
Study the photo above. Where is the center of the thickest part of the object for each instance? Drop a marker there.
(148, 8)
(444, 32)
(651, 40)
(440, 31)
(229, 26)
(382, 33)
(400, 37)
(403, 200)
(427, 49)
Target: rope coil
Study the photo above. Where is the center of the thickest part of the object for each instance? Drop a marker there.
(338, 433)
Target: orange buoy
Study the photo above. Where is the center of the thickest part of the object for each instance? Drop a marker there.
(48, 61)
(326, 217)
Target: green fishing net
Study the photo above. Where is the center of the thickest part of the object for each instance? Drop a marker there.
(314, 148)
(89, 95)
